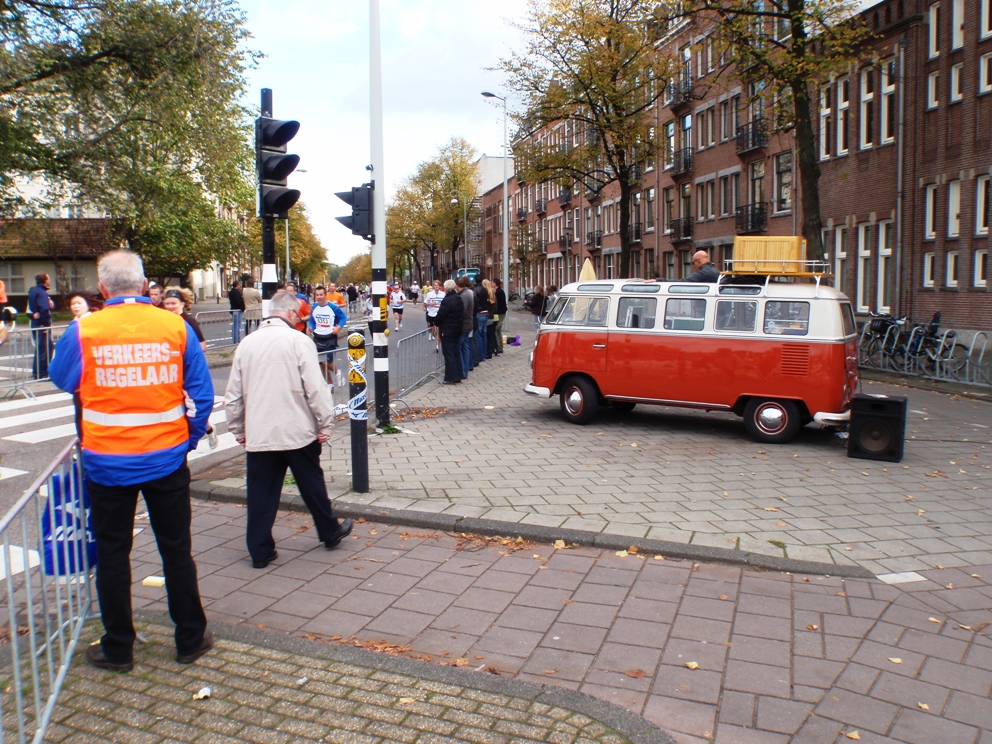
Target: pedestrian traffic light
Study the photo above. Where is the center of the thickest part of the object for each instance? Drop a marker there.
(360, 221)
(273, 166)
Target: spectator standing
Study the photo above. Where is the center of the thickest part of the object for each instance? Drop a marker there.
(551, 294)
(396, 300)
(501, 310)
(253, 305)
(468, 324)
(237, 301)
(3, 295)
(136, 433)
(280, 410)
(432, 301)
(352, 298)
(180, 302)
(326, 322)
(155, 292)
(481, 320)
(491, 320)
(449, 323)
(536, 305)
(40, 307)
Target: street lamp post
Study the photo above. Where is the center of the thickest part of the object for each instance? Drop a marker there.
(455, 199)
(506, 198)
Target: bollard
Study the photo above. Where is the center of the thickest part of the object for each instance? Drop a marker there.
(358, 412)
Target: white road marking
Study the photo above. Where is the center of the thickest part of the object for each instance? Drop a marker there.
(19, 559)
(905, 577)
(6, 473)
(37, 436)
(13, 405)
(225, 441)
(37, 417)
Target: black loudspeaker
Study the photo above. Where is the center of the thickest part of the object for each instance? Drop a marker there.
(878, 427)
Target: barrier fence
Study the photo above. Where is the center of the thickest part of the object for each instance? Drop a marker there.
(415, 360)
(218, 331)
(23, 355)
(46, 592)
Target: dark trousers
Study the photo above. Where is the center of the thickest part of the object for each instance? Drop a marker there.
(490, 339)
(43, 348)
(266, 473)
(452, 358)
(170, 515)
(465, 352)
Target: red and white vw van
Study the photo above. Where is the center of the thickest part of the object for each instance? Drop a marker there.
(779, 353)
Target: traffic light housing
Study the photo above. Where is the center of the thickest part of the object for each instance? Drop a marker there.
(360, 222)
(273, 165)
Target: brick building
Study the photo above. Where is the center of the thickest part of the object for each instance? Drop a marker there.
(906, 156)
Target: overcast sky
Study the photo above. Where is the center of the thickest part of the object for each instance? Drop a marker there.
(434, 55)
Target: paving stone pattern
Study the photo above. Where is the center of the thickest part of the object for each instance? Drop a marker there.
(682, 476)
(780, 657)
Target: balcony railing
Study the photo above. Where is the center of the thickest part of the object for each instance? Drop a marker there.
(565, 242)
(752, 136)
(752, 218)
(681, 91)
(564, 198)
(635, 232)
(681, 229)
(522, 214)
(682, 160)
(635, 173)
(541, 206)
(597, 238)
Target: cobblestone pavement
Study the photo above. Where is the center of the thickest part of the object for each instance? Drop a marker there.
(693, 479)
(707, 652)
(269, 691)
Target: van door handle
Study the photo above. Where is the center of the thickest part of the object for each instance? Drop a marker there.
(599, 346)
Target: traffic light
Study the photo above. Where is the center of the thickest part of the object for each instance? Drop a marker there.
(273, 166)
(360, 221)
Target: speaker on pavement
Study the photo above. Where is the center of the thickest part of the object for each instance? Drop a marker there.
(878, 427)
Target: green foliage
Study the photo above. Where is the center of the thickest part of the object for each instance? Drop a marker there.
(358, 269)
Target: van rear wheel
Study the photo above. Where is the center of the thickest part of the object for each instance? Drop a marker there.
(579, 400)
(772, 421)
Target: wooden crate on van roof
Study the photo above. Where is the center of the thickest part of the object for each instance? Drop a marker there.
(769, 255)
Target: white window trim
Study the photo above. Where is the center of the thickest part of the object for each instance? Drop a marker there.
(957, 24)
(954, 209)
(933, 95)
(864, 262)
(888, 90)
(953, 257)
(956, 92)
(985, 73)
(977, 279)
(928, 263)
(934, 30)
(986, 28)
(981, 205)
(865, 123)
(929, 226)
(842, 124)
(839, 254)
(884, 254)
(826, 112)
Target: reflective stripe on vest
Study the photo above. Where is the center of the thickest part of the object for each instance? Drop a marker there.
(133, 419)
(131, 386)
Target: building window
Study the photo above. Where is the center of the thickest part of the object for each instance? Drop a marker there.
(668, 146)
(826, 114)
(725, 196)
(686, 126)
(886, 267)
(985, 72)
(670, 265)
(981, 278)
(930, 214)
(588, 224)
(701, 200)
(889, 113)
(724, 121)
(756, 174)
(686, 206)
(934, 30)
(669, 209)
(952, 269)
(867, 108)
(957, 24)
(686, 259)
(957, 89)
(12, 273)
(953, 209)
(840, 257)
(864, 267)
(986, 27)
(933, 89)
(649, 209)
(609, 266)
(928, 269)
(843, 115)
(783, 182)
(983, 205)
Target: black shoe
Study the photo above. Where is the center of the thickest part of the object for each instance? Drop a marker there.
(265, 561)
(344, 529)
(205, 645)
(450, 382)
(94, 655)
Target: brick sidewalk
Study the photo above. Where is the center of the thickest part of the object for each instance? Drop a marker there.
(777, 657)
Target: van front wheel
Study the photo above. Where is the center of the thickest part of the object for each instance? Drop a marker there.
(579, 400)
(772, 421)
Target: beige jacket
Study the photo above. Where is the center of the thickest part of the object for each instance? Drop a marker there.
(253, 303)
(276, 396)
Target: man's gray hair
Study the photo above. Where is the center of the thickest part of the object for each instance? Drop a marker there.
(283, 301)
(121, 273)
(450, 286)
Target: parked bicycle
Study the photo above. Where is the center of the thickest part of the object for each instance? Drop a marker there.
(881, 337)
(890, 343)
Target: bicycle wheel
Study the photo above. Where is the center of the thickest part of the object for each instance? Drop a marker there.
(874, 355)
(954, 365)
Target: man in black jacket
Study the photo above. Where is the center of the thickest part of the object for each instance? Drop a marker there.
(449, 323)
(237, 310)
(468, 324)
(40, 307)
(500, 314)
(704, 270)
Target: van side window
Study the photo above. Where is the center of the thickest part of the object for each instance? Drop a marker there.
(580, 311)
(637, 312)
(847, 314)
(787, 318)
(736, 316)
(685, 315)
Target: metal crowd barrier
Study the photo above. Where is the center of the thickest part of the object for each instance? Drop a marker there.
(17, 360)
(216, 325)
(947, 360)
(42, 615)
(415, 360)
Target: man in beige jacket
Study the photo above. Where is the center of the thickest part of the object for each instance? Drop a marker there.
(279, 408)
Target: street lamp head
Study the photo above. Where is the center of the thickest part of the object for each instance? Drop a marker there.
(487, 94)
(454, 200)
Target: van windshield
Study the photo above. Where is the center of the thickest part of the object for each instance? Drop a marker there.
(580, 311)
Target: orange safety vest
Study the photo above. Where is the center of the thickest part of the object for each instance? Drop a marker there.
(132, 380)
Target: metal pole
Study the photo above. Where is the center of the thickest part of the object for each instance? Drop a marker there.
(288, 273)
(506, 208)
(358, 412)
(380, 351)
(465, 227)
(269, 274)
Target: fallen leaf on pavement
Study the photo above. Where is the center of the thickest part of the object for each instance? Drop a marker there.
(771, 508)
(853, 735)
(895, 660)
(636, 673)
(622, 553)
(723, 596)
(459, 662)
(203, 694)
(923, 706)
(373, 532)
(692, 665)
(407, 701)
(632, 550)
(551, 671)
(659, 557)
(965, 627)
(934, 620)
(559, 544)
(812, 627)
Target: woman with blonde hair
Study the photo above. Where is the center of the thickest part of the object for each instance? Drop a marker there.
(491, 320)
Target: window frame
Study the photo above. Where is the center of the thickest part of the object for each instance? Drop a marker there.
(888, 113)
(929, 262)
(840, 256)
(862, 289)
(985, 73)
(985, 29)
(981, 261)
(826, 120)
(885, 278)
(930, 212)
(954, 208)
(933, 90)
(780, 182)
(952, 259)
(843, 124)
(957, 24)
(956, 92)
(933, 29)
(866, 122)
(983, 204)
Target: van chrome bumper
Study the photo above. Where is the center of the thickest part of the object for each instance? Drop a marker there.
(540, 392)
(832, 419)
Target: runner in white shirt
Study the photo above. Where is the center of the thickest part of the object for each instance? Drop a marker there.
(414, 292)
(432, 301)
(396, 300)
